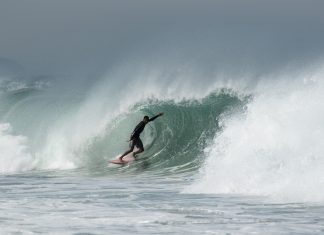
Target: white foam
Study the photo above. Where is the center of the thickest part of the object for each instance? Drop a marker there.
(14, 155)
(275, 149)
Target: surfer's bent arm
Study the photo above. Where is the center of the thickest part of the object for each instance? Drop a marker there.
(153, 118)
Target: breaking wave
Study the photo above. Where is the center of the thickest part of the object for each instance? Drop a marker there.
(263, 139)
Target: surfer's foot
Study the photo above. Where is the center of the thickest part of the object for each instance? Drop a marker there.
(121, 159)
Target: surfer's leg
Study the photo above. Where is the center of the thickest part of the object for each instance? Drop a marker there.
(124, 154)
(132, 144)
(137, 152)
(139, 145)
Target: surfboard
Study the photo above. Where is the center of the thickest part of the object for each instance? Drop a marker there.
(126, 159)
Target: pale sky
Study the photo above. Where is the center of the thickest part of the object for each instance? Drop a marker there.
(50, 37)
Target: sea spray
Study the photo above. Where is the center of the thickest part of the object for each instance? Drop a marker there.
(275, 148)
(14, 155)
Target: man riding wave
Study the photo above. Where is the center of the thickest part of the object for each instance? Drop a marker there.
(135, 139)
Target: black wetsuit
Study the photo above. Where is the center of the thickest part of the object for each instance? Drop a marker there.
(135, 137)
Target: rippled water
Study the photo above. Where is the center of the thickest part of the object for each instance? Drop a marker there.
(78, 202)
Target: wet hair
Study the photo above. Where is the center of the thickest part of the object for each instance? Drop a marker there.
(146, 117)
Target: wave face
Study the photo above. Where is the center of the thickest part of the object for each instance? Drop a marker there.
(174, 142)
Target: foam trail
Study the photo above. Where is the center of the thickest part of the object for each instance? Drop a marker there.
(275, 149)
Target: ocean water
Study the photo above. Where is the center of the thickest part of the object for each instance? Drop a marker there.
(79, 202)
(239, 149)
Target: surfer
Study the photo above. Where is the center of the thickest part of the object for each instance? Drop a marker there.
(135, 137)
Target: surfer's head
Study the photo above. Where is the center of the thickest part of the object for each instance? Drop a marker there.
(146, 119)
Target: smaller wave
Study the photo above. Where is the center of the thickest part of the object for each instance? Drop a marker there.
(13, 86)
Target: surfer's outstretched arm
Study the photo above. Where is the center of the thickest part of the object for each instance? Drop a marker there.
(155, 117)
